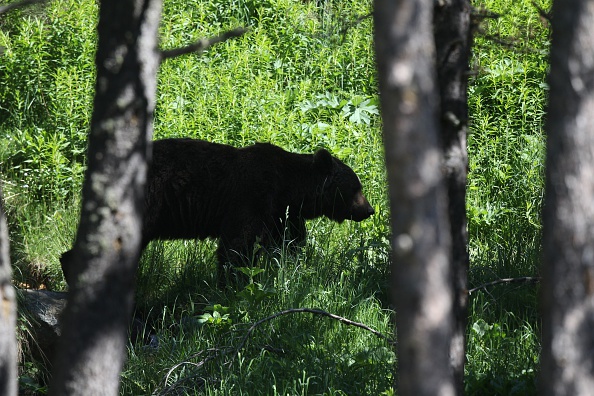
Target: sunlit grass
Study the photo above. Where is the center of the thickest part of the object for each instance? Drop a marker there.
(295, 81)
(506, 144)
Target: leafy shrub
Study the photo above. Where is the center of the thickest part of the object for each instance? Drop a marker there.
(45, 98)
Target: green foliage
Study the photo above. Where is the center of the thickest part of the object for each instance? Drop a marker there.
(289, 354)
(39, 233)
(506, 145)
(218, 316)
(303, 77)
(357, 110)
(47, 71)
(254, 292)
(511, 371)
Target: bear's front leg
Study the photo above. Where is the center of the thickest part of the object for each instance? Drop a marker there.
(237, 251)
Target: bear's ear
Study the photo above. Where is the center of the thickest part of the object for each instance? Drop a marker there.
(322, 161)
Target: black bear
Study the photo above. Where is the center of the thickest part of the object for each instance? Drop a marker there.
(259, 193)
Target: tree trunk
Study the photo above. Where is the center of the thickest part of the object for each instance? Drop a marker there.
(568, 215)
(421, 276)
(8, 349)
(453, 40)
(91, 351)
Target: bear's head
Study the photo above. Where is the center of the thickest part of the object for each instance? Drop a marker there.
(341, 196)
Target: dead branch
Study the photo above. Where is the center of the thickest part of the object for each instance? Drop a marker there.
(510, 43)
(506, 42)
(351, 24)
(482, 13)
(202, 44)
(18, 4)
(548, 16)
(525, 279)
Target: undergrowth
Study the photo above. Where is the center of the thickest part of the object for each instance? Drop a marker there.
(303, 78)
(506, 145)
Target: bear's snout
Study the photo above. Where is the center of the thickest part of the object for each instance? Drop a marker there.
(361, 208)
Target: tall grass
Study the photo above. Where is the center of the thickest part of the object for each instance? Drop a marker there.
(288, 355)
(507, 100)
(300, 80)
(46, 71)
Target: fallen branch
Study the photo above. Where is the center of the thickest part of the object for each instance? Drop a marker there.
(525, 279)
(202, 44)
(316, 312)
(18, 4)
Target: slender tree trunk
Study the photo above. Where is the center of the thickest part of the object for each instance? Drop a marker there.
(421, 276)
(453, 40)
(8, 349)
(568, 216)
(92, 347)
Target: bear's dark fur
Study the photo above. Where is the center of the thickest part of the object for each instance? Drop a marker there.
(197, 189)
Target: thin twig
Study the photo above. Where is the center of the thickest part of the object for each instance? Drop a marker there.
(196, 365)
(213, 354)
(18, 4)
(202, 44)
(525, 279)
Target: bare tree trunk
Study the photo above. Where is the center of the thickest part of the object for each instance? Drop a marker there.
(453, 40)
(8, 349)
(421, 276)
(103, 264)
(568, 215)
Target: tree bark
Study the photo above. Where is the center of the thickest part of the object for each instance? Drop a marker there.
(8, 348)
(567, 366)
(421, 276)
(91, 351)
(453, 41)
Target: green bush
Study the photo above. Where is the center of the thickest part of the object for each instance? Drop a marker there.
(47, 71)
